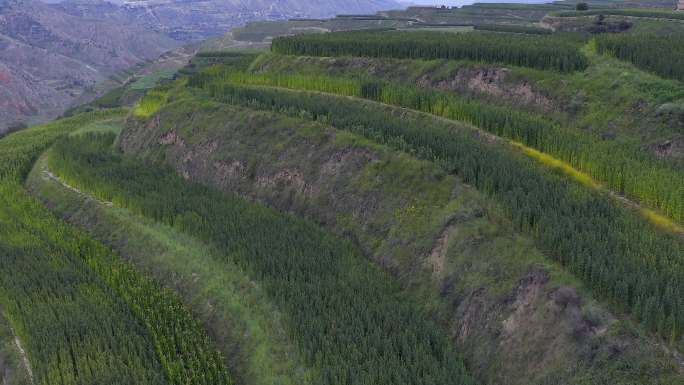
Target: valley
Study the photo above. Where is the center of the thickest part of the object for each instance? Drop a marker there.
(59, 55)
(491, 194)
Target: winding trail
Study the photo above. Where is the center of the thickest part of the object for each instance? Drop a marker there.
(437, 257)
(24, 357)
(50, 176)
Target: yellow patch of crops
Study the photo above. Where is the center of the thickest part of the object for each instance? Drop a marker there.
(653, 216)
(150, 104)
(558, 164)
(661, 221)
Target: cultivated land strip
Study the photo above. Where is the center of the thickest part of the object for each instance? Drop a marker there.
(233, 309)
(622, 257)
(659, 220)
(654, 217)
(111, 313)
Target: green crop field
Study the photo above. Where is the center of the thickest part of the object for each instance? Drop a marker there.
(532, 51)
(85, 302)
(491, 194)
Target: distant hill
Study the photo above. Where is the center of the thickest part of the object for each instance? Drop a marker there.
(52, 54)
(193, 20)
(49, 57)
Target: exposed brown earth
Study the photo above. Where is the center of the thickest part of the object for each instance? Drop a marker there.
(492, 82)
(670, 148)
(496, 83)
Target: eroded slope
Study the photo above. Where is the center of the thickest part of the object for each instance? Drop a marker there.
(518, 318)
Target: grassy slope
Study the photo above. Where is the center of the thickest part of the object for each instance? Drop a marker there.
(493, 284)
(614, 97)
(238, 316)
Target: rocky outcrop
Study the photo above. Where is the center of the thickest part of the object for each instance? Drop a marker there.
(492, 82)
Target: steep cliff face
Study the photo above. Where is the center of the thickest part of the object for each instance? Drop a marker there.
(517, 317)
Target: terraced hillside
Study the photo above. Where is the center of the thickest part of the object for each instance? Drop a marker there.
(489, 205)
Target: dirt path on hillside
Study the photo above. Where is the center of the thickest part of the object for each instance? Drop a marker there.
(24, 357)
(437, 257)
(47, 174)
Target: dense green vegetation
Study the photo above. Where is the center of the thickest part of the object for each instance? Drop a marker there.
(150, 103)
(623, 169)
(648, 13)
(237, 314)
(481, 13)
(528, 29)
(73, 326)
(415, 201)
(612, 249)
(150, 80)
(660, 54)
(81, 316)
(84, 315)
(234, 58)
(543, 52)
(346, 315)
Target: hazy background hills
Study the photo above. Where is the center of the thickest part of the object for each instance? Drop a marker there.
(53, 54)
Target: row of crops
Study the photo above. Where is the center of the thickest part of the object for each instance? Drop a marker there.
(619, 255)
(346, 316)
(556, 52)
(660, 54)
(623, 169)
(513, 28)
(85, 316)
(647, 13)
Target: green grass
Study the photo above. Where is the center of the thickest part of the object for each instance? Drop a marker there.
(150, 103)
(82, 315)
(112, 126)
(614, 96)
(151, 80)
(611, 97)
(530, 208)
(658, 54)
(646, 13)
